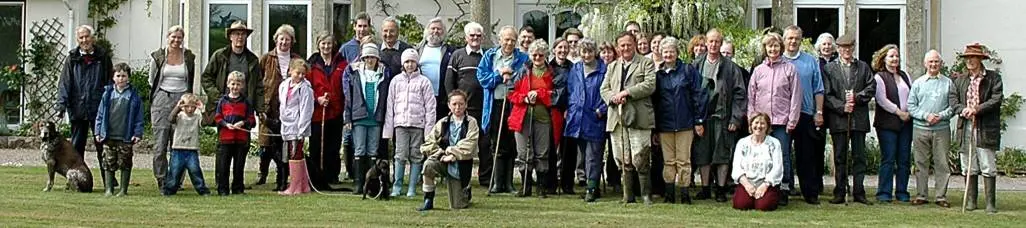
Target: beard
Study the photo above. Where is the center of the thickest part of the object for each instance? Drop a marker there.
(433, 39)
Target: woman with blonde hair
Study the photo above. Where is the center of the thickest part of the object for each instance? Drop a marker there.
(275, 65)
(172, 73)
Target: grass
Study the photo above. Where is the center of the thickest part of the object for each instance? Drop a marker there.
(25, 205)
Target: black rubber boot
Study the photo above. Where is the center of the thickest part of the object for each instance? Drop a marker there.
(358, 165)
(108, 183)
(543, 186)
(670, 192)
(705, 194)
(429, 202)
(627, 181)
(525, 178)
(989, 194)
(281, 179)
(645, 185)
(972, 192)
(685, 197)
(721, 194)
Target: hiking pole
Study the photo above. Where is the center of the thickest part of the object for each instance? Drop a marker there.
(498, 140)
(324, 113)
(969, 170)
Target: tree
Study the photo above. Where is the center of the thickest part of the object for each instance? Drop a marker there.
(481, 13)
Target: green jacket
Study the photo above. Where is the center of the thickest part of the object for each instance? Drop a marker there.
(640, 83)
(215, 78)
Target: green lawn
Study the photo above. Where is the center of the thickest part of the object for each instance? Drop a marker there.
(23, 204)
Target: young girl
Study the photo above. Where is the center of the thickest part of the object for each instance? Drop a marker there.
(296, 100)
(234, 118)
(186, 118)
(365, 108)
(410, 114)
(119, 125)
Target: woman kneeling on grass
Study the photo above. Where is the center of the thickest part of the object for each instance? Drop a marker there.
(758, 167)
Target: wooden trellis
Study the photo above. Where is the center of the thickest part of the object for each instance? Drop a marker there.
(41, 84)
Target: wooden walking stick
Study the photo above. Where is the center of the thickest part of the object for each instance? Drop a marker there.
(495, 155)
(969, 169)
(324, 113)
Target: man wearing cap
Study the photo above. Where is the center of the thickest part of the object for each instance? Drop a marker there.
(977, 99)
(849, 86)
(234, 57)
(930, 110)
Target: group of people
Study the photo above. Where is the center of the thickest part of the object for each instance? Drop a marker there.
(548, 110)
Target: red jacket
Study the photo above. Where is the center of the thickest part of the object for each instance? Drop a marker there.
(520, 89)
(230, 111)
(323, 83)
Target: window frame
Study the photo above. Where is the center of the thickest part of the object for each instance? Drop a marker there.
(206, 24)
(22, 112)
(550, 9)
(266, 18)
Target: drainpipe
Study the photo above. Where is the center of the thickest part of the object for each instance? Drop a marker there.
(71, 24)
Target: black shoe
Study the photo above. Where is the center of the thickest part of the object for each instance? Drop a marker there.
(568, 189)
(862, 200)
(812, 200)
(721, 194)
(794, 192)
(837, 200)
(589, 195)
(261, 180)
(705, 194)
(685, 197)
(782, 201)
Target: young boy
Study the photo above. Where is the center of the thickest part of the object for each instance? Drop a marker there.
(234, 118)
(296, 101)
(186, 118)
(450, 151)
(119, 125)
(410, 114)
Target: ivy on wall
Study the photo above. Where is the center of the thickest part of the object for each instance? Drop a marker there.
(102, 14)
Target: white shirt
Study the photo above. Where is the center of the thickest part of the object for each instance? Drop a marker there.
(759, 162)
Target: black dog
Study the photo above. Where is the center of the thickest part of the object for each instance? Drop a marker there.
(60, 157)
(378, 183)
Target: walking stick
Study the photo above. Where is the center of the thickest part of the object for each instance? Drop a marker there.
(324, 113)
(495, 155)
(969, 170)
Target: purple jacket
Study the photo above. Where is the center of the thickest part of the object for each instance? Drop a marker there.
(774, 90)
(411, 103)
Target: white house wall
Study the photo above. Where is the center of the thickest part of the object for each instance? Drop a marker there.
(503, 11)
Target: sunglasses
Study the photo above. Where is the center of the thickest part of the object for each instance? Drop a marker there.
(475, 35)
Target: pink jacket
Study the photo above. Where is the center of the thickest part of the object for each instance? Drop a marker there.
(774, 90)
(411, 103)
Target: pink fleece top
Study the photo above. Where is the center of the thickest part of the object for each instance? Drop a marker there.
(774, 90)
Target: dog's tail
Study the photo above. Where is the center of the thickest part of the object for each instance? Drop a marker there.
(81, 181)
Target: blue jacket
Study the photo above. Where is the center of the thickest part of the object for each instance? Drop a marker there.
(584, 100)
(135, 114)
(679, 98)
(490, 77)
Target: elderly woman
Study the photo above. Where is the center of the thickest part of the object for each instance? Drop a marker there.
(680, 112)
(758, 167)
(275, 65)
(585, 116)
(325, 75)
(977, 100)
(172, 72)
(825, 49)
(774, 89)
(893, 124)
(533, 119)
(696, 47)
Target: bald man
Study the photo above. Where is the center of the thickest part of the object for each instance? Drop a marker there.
(931, 112)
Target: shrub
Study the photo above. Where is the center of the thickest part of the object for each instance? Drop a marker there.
(1012, 161)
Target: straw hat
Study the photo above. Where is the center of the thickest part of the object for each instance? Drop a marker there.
(975, 49)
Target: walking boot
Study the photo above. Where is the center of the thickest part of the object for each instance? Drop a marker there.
(972, 192)
(721, 194)
(126, 174)
(626, 181)
(838, 199)
(108, 183)
(429, 202)
(415, 174)
(359, 175)
(507, 179)
(543, 186)
(705, 193)
(685, 197)
(500, 184)
(670, 192)
(525, 178)
(591, 195)
(281, 179)
(989, 191)
(645, 185)
(261, 179)
(398, 174)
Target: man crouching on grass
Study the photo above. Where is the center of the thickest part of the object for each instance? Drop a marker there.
(450, 149)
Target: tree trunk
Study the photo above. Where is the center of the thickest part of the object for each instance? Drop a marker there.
(481, 13)
(783, 13)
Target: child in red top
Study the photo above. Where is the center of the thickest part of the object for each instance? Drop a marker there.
(234, 118)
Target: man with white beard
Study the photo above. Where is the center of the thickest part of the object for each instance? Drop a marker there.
(434, 57)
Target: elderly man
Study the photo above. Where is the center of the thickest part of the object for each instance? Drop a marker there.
(391, 47)
(931, 112)
(525, 37)
(351, 49)
(808, 136)
(235, 57)
(434, 58)
(497, 63)
(977, 99)
(627, 91)
(723, 81)
(461, 74)
(87, 70)
(849, 86)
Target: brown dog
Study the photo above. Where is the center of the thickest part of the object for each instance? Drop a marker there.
(60, 157)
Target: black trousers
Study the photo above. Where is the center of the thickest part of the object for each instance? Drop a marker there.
(231, 156)
(567, 163)
(612, 172)
(507, 146)
(332, 163)
(80, 133)
(350, 156)
(809, 144)
(841, 141)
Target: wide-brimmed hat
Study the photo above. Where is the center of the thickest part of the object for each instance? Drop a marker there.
(239, 25)
(846, 40)
(975, 49)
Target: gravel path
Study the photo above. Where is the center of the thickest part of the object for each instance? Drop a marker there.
(28, 157)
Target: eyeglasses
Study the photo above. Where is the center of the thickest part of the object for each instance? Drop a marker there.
(475, 35)
(537, 55)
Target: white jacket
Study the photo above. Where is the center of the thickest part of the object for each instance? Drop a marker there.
(296, 111)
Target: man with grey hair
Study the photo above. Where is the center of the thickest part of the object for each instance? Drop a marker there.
(434, 59)
(87, 70)
(461, 74)
(498, 65)
(391, 47)
(931, 113)
(727, 49)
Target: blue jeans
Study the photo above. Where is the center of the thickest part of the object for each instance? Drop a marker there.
(182, 160)
(779, 132)
(365, 140)
(895, 149)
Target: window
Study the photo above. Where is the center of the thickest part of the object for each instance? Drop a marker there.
(291, 12)
(11, 29)
(815, 21)
(220, 17)
(340, 22)
(547, 26)
(878, 27)
(764, 18)
(539, 21)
